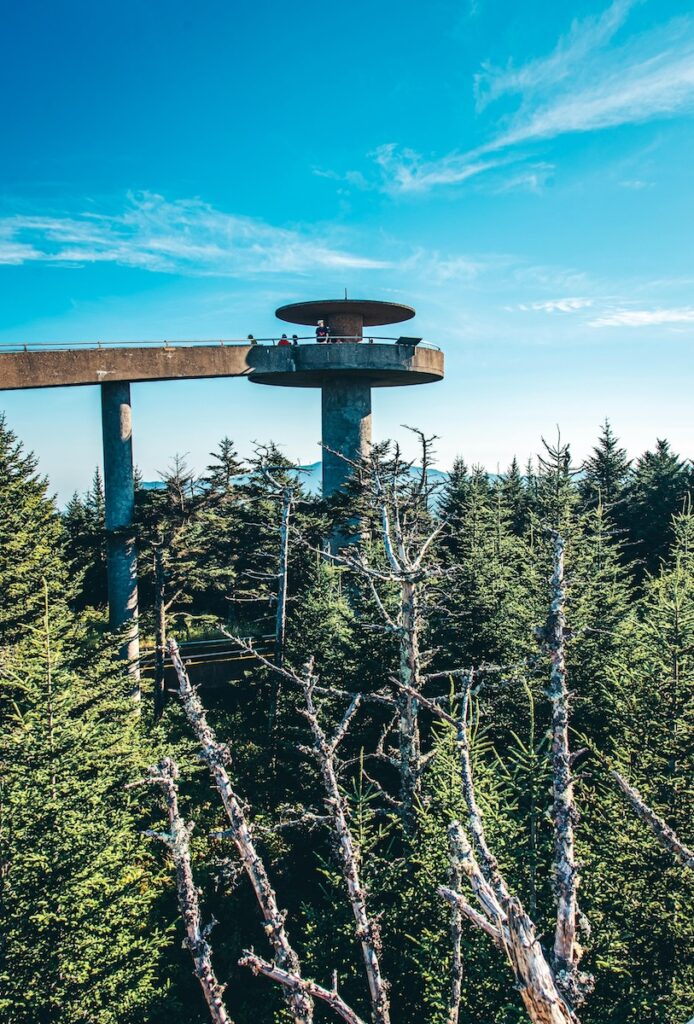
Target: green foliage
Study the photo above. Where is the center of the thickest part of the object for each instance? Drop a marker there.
(84, 521)
(606, 472)
(31, 539)
(91, 929)
(658, 490)
(81, 939)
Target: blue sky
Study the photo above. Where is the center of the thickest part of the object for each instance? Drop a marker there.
(521, 174)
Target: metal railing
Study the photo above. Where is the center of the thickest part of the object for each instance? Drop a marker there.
(210, 652)
(58, 346)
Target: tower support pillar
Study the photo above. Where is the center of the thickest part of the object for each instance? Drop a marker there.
(346, 428)
(119, 491)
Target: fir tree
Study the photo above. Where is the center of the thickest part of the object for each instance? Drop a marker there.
(224, 469)
(514, 496)
(638, 899)
(557, 498)
(31, 539)
(84, 521)
(606, 471)
(80, 935)
(660, 484)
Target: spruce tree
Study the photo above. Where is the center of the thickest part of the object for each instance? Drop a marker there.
(31, 539)
(81, 941)
(658, 489)
(514, 496)
(84, 521)
(637, 898)
(605, 472)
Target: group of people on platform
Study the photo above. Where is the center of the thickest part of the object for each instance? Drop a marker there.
(322, 337)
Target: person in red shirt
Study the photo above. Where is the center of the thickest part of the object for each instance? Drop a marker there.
(284, 340)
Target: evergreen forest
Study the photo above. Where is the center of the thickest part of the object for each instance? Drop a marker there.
(419, 753)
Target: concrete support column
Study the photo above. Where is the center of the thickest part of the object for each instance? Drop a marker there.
(346, 415)
(346, 325)
(119, 490)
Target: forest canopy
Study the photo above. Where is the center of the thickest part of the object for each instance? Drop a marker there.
(440, 771)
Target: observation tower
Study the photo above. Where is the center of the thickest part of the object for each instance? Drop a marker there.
(345, 368)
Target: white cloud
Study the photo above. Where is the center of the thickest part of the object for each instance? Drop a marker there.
(645, 317)
(581, 86)
(185, 236)
(557, 305)
(658, 85)
(583, 39)
(529, 178)
(406, 171)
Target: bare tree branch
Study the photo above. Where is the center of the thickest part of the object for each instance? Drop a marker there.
(216, 755)
(177, 840)
(294, 982)
(661, 830)
(367, 930)
(503, 917)
(479, 920)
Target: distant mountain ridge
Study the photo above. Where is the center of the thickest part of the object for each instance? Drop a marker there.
(309, 475)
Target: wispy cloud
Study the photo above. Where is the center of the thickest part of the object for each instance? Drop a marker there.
(645, 317)
(635, 184)
(583, 85)
(584, 38)
(556, 305)
(527, 178)
(406, 171)
(184, 236)
(657, 85)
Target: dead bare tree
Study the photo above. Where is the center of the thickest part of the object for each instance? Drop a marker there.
(299, 992)
(162, 608)
(501, 915)
(217, 757)
(337, 813)
(567, 951)
(367, 928)
(177, 840)
(455, 880)
(400, 506)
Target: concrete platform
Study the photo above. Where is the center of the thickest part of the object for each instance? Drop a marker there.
(375, 365)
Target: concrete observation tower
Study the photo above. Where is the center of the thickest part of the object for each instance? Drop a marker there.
(346, 367)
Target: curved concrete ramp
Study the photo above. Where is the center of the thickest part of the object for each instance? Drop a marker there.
(56, 368)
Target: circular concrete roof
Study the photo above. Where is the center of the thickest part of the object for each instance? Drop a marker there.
(375, 313)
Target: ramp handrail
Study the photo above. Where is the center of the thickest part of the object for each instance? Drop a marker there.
(57, 346)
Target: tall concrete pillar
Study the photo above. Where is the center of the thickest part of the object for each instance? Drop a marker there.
(119, 489)
(346, 415)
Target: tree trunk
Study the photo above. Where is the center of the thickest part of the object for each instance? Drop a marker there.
(160, 634)
(408, 724)
(281, 615)
(367, 929)
(177, 840)
(567, 951)
(216, 755)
